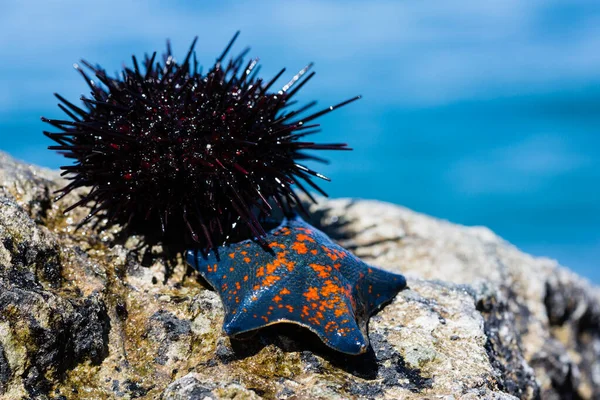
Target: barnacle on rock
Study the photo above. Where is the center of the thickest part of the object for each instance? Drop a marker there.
(181, 157)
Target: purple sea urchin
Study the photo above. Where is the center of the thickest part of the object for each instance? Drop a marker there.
(180, 156)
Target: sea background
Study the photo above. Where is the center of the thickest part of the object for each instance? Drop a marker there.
(482, 113)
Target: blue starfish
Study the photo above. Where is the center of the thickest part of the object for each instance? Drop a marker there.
(304, 279)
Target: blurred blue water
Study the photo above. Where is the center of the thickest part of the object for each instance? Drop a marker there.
(483, 114)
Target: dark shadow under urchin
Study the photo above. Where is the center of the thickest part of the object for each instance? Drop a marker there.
(186, 159)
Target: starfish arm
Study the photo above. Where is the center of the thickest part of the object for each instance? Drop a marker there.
(380, 287)
(208, 265)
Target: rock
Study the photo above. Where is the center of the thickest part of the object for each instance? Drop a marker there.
(542, 321)
(191, 387)
(80, 319)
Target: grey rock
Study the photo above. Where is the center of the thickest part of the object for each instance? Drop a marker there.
(541, 320)
(80, 319)
(187, 388)
(191, 387)
(5, 372)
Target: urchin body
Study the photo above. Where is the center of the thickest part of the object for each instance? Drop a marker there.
(180, 156)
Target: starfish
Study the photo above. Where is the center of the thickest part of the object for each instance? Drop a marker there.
(301, 277)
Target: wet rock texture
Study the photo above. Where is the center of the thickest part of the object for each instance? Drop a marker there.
(82, 320)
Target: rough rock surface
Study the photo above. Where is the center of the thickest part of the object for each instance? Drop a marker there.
(82, 320)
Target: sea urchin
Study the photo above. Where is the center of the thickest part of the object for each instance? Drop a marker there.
(179, 156)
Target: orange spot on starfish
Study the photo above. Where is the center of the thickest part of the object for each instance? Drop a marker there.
(311, 294)
(299, 248)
